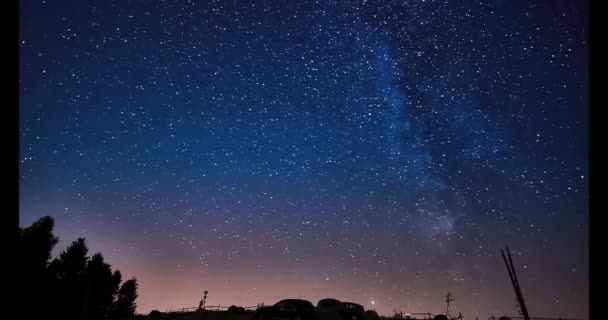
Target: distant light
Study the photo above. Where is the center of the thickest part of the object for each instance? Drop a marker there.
(373, 302)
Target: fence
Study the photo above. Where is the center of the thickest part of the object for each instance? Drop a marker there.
(211, 308)
(411, 315)
(533, 318)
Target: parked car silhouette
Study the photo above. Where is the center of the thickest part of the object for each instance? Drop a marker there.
(288, 309)
(329, 309)
(352, 311)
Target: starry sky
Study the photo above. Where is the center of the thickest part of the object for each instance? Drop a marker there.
(381, 152)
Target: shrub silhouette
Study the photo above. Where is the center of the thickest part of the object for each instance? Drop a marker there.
(155, 314)
(371, 315)
(235, 309)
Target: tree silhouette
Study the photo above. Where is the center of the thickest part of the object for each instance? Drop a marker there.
(72, 262)
(101, 287)
(125, 303)
(34, 246)
(116, 280)
(73, 286)
(69, 269)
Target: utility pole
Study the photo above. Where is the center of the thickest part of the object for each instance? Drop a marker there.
(448, 299)
(201, 304)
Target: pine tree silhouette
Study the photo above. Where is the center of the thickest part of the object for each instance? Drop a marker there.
(125, 303)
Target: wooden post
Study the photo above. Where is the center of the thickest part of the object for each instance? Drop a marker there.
(515, 282)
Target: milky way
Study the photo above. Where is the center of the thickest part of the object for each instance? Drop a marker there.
(361, 150)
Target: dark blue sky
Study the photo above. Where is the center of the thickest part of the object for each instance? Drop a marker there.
(371, 150)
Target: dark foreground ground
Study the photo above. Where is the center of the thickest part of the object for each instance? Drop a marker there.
(196, 315)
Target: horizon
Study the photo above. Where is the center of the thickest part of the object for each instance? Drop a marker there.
(368, 306)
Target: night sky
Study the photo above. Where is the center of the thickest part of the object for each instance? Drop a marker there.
(381, 152)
